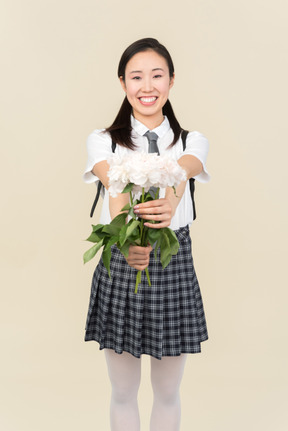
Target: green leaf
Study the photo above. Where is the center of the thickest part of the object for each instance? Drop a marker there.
(106, 257)
(128, 188)
(153, 235)
(93, 237)
(165, 255)
(126, 208)
(127, 230)
(131, 213)
(98, 231)
(111, 229)
(133, 239)
(89, 254)
(111, 241)
(122, 234)
(97, 228)
(125, 248)
(157, 245)
(119, 220)
(174, 244)
(135, 235)
(132, 227)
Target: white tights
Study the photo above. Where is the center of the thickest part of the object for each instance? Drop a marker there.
(125, 373)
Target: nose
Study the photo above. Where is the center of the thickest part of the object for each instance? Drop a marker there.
(147, 85)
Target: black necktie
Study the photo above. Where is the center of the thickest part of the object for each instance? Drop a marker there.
(152, 140)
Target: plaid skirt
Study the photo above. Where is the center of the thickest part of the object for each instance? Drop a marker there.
(166, 319)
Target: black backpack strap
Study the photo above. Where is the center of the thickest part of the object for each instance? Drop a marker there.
(184, 134)
(192, 180)
(99, 187)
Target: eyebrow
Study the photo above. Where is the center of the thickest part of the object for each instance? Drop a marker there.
(153, 70)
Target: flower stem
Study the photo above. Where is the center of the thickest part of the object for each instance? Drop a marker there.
(143, 238)
(138, 281)
(148, 277)
(157, 193)
(142, 221)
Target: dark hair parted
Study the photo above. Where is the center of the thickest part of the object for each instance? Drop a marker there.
(120, 130)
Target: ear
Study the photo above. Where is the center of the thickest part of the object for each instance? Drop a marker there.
(122, 82)
(172, 81)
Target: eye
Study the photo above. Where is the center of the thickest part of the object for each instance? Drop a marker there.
(158, 76)
(136, 78)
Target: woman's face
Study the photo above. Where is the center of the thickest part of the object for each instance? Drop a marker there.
(147, 84)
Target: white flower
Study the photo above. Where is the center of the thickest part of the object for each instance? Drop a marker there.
(144, 171)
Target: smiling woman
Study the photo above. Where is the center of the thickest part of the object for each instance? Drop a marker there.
(147, 83)
(147, 47)
(166, 319)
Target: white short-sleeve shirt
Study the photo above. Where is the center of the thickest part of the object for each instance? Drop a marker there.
(99, 148)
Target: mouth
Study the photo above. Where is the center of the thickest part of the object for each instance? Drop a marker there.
(148, 100)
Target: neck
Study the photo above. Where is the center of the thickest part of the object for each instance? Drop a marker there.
(150, 122)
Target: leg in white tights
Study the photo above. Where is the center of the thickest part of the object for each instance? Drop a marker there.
(125, 373)
(166, 375)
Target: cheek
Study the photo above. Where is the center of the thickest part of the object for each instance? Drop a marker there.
(164, 88)
(131, 89)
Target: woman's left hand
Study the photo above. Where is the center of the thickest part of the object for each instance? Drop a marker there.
(159, 210)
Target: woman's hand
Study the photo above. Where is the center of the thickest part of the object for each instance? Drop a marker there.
(138, 257)
(159, 210)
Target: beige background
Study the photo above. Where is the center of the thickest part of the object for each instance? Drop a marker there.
(58, 78)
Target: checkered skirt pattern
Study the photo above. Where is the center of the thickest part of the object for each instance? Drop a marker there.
(166, 319)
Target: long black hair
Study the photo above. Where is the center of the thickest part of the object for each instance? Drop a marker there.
(120, 129)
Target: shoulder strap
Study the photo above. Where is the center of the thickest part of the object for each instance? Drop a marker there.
(184, 134)
(100, 185)
(192, 180)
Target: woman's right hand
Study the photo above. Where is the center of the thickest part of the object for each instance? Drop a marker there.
(138, 257)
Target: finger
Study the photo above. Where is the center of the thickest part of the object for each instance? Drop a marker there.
(152, 207)
(158, 225)
(140, 251)
(150, 211)
(153, 203)
(139, 267)
(138, 259)
(134, 261)
(156, 217)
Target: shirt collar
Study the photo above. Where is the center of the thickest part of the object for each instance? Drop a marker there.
(141, 129)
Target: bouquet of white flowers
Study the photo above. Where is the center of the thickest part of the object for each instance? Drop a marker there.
(136, 174)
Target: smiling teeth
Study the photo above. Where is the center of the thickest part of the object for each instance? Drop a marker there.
(148, 99)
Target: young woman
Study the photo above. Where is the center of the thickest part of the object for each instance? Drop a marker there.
(166, 320)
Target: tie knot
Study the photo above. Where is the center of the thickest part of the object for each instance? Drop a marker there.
(152, 136)
(152, 140)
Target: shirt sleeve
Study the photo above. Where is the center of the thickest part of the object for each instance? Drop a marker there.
(197, 145)
(98, 149)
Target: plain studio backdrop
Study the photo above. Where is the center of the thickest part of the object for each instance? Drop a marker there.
(58, 77)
